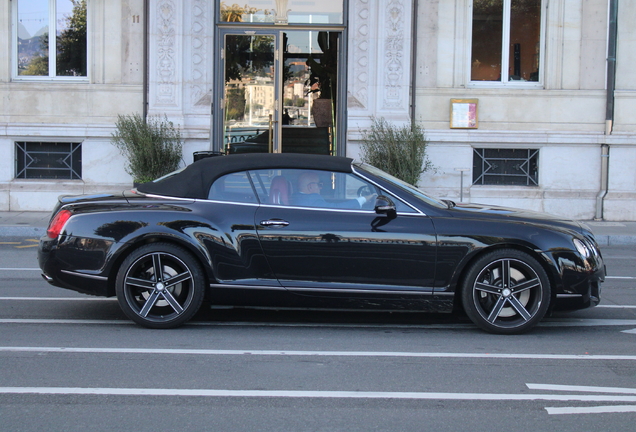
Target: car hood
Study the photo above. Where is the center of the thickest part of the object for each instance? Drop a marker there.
(508, 214)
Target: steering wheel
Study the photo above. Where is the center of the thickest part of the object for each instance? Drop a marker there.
(365, 191)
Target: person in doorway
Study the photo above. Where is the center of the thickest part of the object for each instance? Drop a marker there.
(287, 120)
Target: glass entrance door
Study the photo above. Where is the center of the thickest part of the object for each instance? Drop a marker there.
(249, 107)
(278, 91)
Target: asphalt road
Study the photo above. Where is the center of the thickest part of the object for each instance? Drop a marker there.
(70, 362)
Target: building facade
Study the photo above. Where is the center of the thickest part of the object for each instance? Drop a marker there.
(526, 103)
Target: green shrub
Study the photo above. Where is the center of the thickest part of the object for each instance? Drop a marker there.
(153, 148)
(398, 150)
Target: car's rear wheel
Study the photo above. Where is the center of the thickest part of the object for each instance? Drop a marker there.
(160, 286)
(506, 292)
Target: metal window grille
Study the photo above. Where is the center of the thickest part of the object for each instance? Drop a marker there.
(511, 167)
(48, 160)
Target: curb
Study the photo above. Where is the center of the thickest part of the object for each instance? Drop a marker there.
(615, 240)
(22, 231)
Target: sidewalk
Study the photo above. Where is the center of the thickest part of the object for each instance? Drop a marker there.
(34, 224)
(24, 224)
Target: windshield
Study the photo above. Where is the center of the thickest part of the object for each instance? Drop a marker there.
(408, 188)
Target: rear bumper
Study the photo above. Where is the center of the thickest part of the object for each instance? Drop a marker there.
(57, 272)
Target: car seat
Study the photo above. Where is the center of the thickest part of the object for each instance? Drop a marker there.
(279, 191)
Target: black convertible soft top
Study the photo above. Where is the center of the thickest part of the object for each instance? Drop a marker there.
(195, 180)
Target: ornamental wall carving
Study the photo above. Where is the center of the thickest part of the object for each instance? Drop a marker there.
(181, 44)
(165, 48)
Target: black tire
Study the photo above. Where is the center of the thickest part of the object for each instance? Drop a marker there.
(167, 301)
(506, 292)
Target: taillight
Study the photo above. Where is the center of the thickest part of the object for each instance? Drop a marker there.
(56, 225)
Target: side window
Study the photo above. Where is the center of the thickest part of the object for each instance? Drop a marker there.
(314, 188)
(235, 187)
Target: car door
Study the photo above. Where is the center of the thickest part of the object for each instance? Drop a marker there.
(338, 246)
(232, 242)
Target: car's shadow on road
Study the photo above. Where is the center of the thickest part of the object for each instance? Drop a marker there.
(212, 314)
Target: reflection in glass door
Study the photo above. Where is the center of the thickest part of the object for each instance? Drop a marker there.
(279, 91)
(249, 92)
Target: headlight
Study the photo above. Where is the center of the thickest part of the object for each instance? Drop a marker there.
(582, 248)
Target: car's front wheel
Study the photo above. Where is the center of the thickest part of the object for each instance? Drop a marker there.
(506, 292)
(160, 285)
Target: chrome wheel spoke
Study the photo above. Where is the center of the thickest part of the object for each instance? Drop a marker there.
(505, 273)
(183, 277)
(157, 267)
(520, 308)
(526, 285)
(150, 302)
(167, 295)
(496, 310)
(487, 288)
(141, 283)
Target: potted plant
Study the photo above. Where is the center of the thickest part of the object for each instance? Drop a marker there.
(399, 151)
(152, 148)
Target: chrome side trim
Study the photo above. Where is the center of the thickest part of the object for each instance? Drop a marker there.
(330, 209)
(444, 293)
(248, 287)
(291, 308)
(226, 202)
(364, 291)
(88, 276)
(565, 295)
(321, 290)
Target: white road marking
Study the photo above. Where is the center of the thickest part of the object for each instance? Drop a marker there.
(551, 323)
(210, 352)
(616, 306)
(63, 321)
(632, 331)
(57, 298)
(587, 389)
(586, 323)
(18, 269)
(607, 409)
(311, 394)
(620, 277)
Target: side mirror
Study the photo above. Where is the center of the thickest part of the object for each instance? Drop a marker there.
(384, 205)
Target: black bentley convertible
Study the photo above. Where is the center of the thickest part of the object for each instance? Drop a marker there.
(309, 231)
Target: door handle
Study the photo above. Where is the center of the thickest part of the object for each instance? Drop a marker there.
(274, 223)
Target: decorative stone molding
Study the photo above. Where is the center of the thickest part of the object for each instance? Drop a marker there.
(379, 60)
(359, 58)
(166, 61)
(199, 73)
(394, 56)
